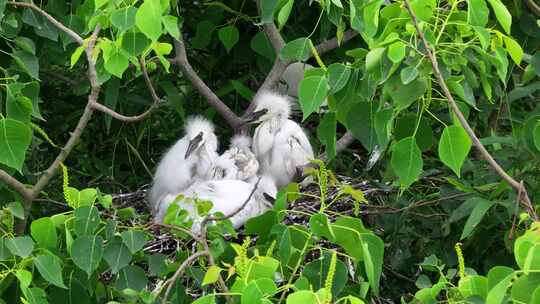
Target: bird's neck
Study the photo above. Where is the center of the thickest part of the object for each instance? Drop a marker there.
(275, 123)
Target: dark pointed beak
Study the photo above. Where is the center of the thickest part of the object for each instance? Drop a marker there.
(194, 144)
(253, 116)
(269, 198)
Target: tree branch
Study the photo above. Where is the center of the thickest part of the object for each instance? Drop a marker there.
(182, 61)
(476, 142)
(170, 282)
(15, 184)
(156, 100)
(51, 19)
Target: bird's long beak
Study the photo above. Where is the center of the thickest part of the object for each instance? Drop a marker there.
(269, 198)
(253, 116)
(194, 144)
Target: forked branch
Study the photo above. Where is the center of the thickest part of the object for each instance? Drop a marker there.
(520, 189)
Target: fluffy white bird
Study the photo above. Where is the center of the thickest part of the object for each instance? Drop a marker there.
(280, 144)
(238, 162)
(226, 196)
(188, 160)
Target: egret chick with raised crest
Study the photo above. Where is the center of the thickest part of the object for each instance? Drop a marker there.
(280, 144)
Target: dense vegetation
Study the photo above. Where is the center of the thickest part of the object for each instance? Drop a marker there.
(431, 140)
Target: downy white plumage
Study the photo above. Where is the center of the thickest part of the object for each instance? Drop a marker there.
(188, 160)
(238, 162)
(280, 144)
(227, 196)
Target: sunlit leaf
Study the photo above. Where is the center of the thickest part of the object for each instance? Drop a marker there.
(15, 138)
(148, 19)
(454, 147)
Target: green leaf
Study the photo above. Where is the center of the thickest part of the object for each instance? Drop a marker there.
(86, 220)
(25, 44)
(374, 59)
(326, 131)
(86, 252)
(124, 19)
(2, 8)
(406, 125)
(134, 240)
(284, 13)
(423, 9)
(473, 285)
(170, 23)
(407, 161)
(502, 14)
(312, 93)
(396, 51)
(21, 246)
(477, 12)
(298, 49)
(285, 246)
(85, 197)
(261, 45)
(24, 276)
(302, 297)
(211, 275)
(35, 296)
(19, 108)
(16, 210)
(483, 36)
(360, 122)
(268, 8)
(497, 274)
(536, 136)
(514, 49)
(28, 62)
(373, 250)
(43, 231)
(371, 17)
(403, 95)
(148, 19)
(100, 3)
(524, 287)
(135, 43)
(497, 293)
(117, 63)
(203, 35)
(229, 36)
(156, 264)
(132, 277)
(454, 147)
(480, 209)
(208, 299)
(76, 55)
(50, 269)
(117, 255)
(527, 251)
(338, 76)
(15, 138)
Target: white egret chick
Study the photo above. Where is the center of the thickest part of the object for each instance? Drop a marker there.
(227, 196)
(245, 162)
(280, 144)
(189, 159)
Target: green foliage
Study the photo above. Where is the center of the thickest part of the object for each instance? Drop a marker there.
(80, 247)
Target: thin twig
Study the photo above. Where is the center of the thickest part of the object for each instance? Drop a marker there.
(156, 100)
(170, 282)
(51, 19)
(476, 142)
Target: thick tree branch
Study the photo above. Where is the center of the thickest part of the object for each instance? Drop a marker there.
(51, 19)
(83, 121)
(15, 184)
(476, 142)
(182, 61)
